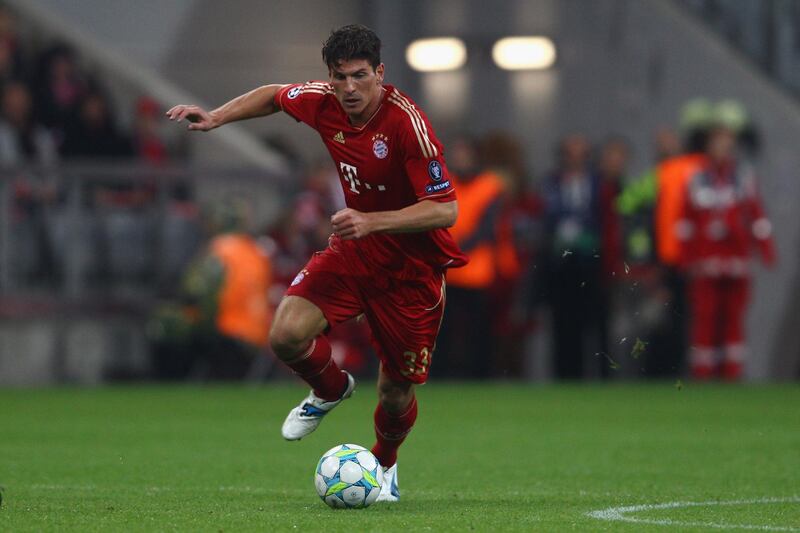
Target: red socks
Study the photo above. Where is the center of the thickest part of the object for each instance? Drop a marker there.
(391, 431)
(318, 369)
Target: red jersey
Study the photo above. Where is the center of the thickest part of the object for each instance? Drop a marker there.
(391, 162)
(722, 221)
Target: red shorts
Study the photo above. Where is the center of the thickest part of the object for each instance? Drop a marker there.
(404, 315)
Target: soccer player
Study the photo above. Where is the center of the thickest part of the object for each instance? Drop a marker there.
(390, 247)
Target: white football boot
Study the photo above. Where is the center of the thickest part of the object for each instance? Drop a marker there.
(390, 492)
(304, 419)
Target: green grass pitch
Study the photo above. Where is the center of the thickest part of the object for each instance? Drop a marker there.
(482, 457)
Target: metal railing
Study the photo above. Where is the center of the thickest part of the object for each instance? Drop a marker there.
(115, 231)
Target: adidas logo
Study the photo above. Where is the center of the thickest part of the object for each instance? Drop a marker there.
(339, 137)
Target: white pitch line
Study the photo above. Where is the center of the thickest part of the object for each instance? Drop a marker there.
(46, 486)
(619, 514)
(160, 488)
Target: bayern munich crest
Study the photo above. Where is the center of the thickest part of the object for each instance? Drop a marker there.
(379, 146)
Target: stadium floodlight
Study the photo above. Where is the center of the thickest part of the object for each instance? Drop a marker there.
(524, 53)
(436, 54)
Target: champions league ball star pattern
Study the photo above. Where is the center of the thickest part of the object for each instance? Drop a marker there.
(348, 476)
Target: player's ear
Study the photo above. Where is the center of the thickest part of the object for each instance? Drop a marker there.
(379, 70)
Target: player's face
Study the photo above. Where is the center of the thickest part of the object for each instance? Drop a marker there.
(358, 88)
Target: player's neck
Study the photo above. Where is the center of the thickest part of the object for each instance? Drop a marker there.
(366, 115)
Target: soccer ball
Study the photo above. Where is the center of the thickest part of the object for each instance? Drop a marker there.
(348, 476)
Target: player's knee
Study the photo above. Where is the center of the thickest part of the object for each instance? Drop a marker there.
(395, 398)
(288, 339)
(294, 326)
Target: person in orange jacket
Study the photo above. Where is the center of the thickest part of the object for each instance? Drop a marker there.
(465, 347)
(242, 310)
(226, 312)
(672, 176)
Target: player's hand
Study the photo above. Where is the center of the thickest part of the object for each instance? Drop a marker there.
(199, 119)
(351, 224)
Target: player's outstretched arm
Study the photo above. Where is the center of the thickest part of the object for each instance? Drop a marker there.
(259, 102)
(422, 216)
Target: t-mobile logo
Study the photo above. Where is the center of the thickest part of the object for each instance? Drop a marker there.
(350, 175)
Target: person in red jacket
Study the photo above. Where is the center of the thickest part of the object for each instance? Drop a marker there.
(721, 224)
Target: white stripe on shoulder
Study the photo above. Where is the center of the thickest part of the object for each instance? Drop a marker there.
(414, 124)
(320, 87)
(403, 102)
(422, 122)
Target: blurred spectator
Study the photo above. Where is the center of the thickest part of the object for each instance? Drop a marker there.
(577, 216)
(464, 346)
(22, 139)
(649, 298)
(667, 144)
(128, 228)
(612, 172)
(612, 169)
(11, 58)
(224, 321)
(637, 199)
(148, 143)
(480, 300)
(672, 176)
(518, 234)
(320, 197)
(59, 87)
(182, 235)
(93, 131)
(304, 226)
(123, 214)
(34, 258)
(721, 222)
(24, 142)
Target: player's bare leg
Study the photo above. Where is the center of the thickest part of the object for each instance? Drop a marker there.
(394, 418)
(296, 338)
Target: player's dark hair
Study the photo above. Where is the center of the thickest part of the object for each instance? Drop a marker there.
(353, 41)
